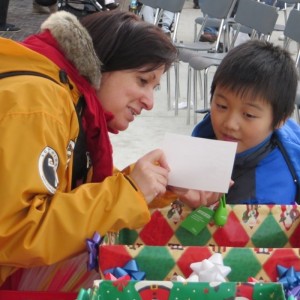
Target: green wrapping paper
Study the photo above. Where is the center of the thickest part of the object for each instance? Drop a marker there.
(166, 290)
(262, 226)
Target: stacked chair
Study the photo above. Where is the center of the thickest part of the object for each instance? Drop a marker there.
(286, 5)
(80, 8)
(261, 27)
(176, 7)
(153, 4)
(215, 12)
(292, 34)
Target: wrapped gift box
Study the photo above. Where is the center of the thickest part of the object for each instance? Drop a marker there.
(263, 226)
(255, 240)
(163, 262)
(166, 290)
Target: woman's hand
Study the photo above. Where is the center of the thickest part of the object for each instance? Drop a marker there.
(195, 198)
(150, 173)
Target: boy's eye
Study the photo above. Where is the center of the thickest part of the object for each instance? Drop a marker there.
(221, 106)
(249, 116)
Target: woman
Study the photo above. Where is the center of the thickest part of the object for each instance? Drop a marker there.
(57, 183)
(63, 188)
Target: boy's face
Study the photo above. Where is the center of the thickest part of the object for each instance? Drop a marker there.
(245, 121)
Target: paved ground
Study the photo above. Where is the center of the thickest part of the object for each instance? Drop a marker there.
(20, 14)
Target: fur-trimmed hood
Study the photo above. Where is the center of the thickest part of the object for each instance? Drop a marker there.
(75, 43)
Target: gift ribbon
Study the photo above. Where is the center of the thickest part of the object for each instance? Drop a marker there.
(84, 294)
(130, 271)
(92, 246)
(294, 293)
(290, 280)
(208, 270)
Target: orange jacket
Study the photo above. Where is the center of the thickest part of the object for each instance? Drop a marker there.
(40, 225)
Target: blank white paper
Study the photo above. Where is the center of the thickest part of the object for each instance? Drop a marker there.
(199, 164)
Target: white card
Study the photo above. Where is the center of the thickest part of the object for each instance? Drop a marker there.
(199, 164)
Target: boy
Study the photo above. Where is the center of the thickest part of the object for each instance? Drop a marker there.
(252, 97)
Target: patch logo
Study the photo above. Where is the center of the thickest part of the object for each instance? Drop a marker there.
(48, 164)
(70, 150)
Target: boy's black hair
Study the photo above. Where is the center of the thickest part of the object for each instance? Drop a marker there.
(260, 69)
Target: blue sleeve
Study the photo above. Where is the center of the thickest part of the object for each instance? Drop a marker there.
(204, 128)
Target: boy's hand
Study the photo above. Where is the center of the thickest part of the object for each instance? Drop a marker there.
(194, 198)
(150, 173)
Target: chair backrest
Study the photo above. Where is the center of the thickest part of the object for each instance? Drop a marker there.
(256, 15)
(215, 10)
(291, 2)
(218, 9)
(174, 6)
(292, 31)
(151, 3)
(292, 27)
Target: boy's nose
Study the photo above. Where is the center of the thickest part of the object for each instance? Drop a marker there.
(231, 122)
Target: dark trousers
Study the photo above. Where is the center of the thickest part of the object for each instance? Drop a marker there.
(3, 11)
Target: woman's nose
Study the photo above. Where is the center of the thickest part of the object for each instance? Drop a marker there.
(148, 100)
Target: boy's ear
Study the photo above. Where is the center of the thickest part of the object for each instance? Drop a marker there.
(280, 124)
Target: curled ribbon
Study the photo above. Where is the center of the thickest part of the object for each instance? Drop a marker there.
(84, 294)
(92, 246)
(294, 294)
(130, 271)
(290, 280)
(208, 270)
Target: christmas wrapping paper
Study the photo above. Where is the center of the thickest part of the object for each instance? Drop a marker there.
(163, 262)
(275, 226)
(67, 276)
(166, 290)
(17, 295)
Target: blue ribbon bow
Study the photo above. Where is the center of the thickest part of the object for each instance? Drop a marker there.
(131, 269)
(290, 279)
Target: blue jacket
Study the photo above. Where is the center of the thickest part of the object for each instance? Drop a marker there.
(272, 175)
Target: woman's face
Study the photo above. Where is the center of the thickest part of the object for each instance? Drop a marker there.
(126, 93)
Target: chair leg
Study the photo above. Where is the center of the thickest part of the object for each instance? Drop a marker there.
(195, 32)
(195, 100)
(189, 87)
(176, 71)
(168, 89)
(206, 88)
(200, 84)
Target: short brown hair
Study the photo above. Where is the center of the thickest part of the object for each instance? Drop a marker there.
(122, 41)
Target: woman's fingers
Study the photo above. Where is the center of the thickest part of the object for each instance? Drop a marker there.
(150, 173)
